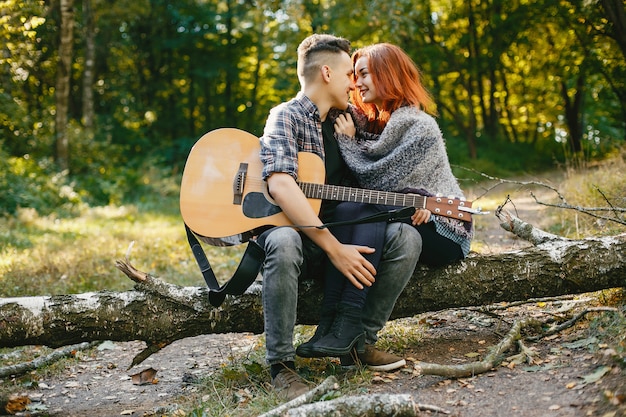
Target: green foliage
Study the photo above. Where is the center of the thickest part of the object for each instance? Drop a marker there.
(28, 183)
(516, 83)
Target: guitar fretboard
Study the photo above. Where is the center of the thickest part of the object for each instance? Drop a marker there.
(358, 195)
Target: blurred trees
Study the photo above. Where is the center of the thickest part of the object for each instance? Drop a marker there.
(146, 78)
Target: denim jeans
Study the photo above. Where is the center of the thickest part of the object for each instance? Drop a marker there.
(287, 254)
(403, 246)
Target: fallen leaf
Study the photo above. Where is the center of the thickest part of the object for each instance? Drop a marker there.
(581, 343)
(147, 376)
(16, 403)
(378, 380)
(596, 375)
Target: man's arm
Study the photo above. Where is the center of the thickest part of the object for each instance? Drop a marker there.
(346, 258)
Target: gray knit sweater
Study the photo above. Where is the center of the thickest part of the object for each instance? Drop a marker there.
(409, 153)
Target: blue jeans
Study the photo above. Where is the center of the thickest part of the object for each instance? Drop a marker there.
(287, 255)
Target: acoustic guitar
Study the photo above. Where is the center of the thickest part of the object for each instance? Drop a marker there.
(224, 200)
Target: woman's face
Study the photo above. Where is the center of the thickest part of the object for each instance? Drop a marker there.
(364, 83)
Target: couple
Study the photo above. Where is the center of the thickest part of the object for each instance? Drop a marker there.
(384, 141)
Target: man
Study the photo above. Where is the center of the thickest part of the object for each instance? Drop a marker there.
(325, 73)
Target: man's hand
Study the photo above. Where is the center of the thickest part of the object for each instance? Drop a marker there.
(348, 259)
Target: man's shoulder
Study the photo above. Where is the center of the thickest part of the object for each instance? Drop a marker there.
(299, 104)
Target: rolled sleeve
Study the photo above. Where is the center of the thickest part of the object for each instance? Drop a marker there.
(279, 146)
(291, 127)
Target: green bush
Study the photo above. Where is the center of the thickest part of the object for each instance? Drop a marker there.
(34, 184)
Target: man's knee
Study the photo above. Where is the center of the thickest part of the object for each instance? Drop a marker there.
(403, 236)
(282, 237)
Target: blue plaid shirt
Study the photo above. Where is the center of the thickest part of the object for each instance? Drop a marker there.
(292, 127)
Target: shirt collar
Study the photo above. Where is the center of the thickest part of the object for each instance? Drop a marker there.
(307, 104)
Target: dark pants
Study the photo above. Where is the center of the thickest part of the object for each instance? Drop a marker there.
(436, 250)
(336, 287)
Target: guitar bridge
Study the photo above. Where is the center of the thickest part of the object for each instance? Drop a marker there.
(239, 182)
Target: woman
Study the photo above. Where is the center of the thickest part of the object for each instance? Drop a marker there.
(391, 143)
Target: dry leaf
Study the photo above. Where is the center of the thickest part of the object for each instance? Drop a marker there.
(147, 376)
(16, 403)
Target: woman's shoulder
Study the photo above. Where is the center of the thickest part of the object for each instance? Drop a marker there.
(414, 113)
(414, 116)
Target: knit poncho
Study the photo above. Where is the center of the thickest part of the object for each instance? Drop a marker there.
(409, 153)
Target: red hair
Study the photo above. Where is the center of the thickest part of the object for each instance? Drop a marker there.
(397, 80)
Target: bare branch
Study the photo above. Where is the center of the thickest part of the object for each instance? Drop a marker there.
(572, 321)
(588, 210)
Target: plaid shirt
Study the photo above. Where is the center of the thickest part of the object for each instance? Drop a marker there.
(292, 127)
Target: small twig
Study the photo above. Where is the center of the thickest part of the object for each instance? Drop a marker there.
(328, 384)
(22, 368)
(501, 181)
(493, 358)
(564, 204)
(570, 322)
(587, 210)
(524, 356)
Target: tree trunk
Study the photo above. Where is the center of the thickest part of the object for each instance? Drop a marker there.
(616, 15)
(160, 313)
(90, 63)
(62, 89)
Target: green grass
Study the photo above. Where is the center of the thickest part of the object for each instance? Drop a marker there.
(49, 255)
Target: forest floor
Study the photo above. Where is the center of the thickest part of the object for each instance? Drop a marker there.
(573, 373)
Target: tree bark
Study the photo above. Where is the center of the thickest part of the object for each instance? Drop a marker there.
(89, 34)
(159, 313)
(62, 88)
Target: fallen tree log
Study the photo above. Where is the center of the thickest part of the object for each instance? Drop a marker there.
(159, 313)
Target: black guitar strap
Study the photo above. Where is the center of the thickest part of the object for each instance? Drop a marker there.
(254, 255)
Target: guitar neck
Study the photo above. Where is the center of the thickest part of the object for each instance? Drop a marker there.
(444, 206)
(359, 195)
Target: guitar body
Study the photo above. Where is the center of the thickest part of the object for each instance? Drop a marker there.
(225, 201)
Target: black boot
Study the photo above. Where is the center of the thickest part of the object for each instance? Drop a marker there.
(347, 333)
(327, 316)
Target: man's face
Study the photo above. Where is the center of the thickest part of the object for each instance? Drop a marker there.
(341, 81)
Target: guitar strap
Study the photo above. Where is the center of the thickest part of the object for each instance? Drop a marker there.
(254, 255)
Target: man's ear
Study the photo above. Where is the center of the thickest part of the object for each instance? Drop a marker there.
(325, 70)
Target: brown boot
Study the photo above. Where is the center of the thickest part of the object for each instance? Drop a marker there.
(289, 384)
(374, 359)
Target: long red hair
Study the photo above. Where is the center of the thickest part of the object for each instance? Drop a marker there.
(397, 80)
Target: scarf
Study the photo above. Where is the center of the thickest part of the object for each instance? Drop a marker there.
(409, 153)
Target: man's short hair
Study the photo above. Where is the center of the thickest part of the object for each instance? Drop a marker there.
(315, 49)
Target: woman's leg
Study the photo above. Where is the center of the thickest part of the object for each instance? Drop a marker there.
(347, 328)
(437, 250)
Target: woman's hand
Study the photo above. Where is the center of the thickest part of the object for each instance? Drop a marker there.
(420, 216)
(345, 125)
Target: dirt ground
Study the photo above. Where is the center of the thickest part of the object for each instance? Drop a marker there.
(571, 375)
